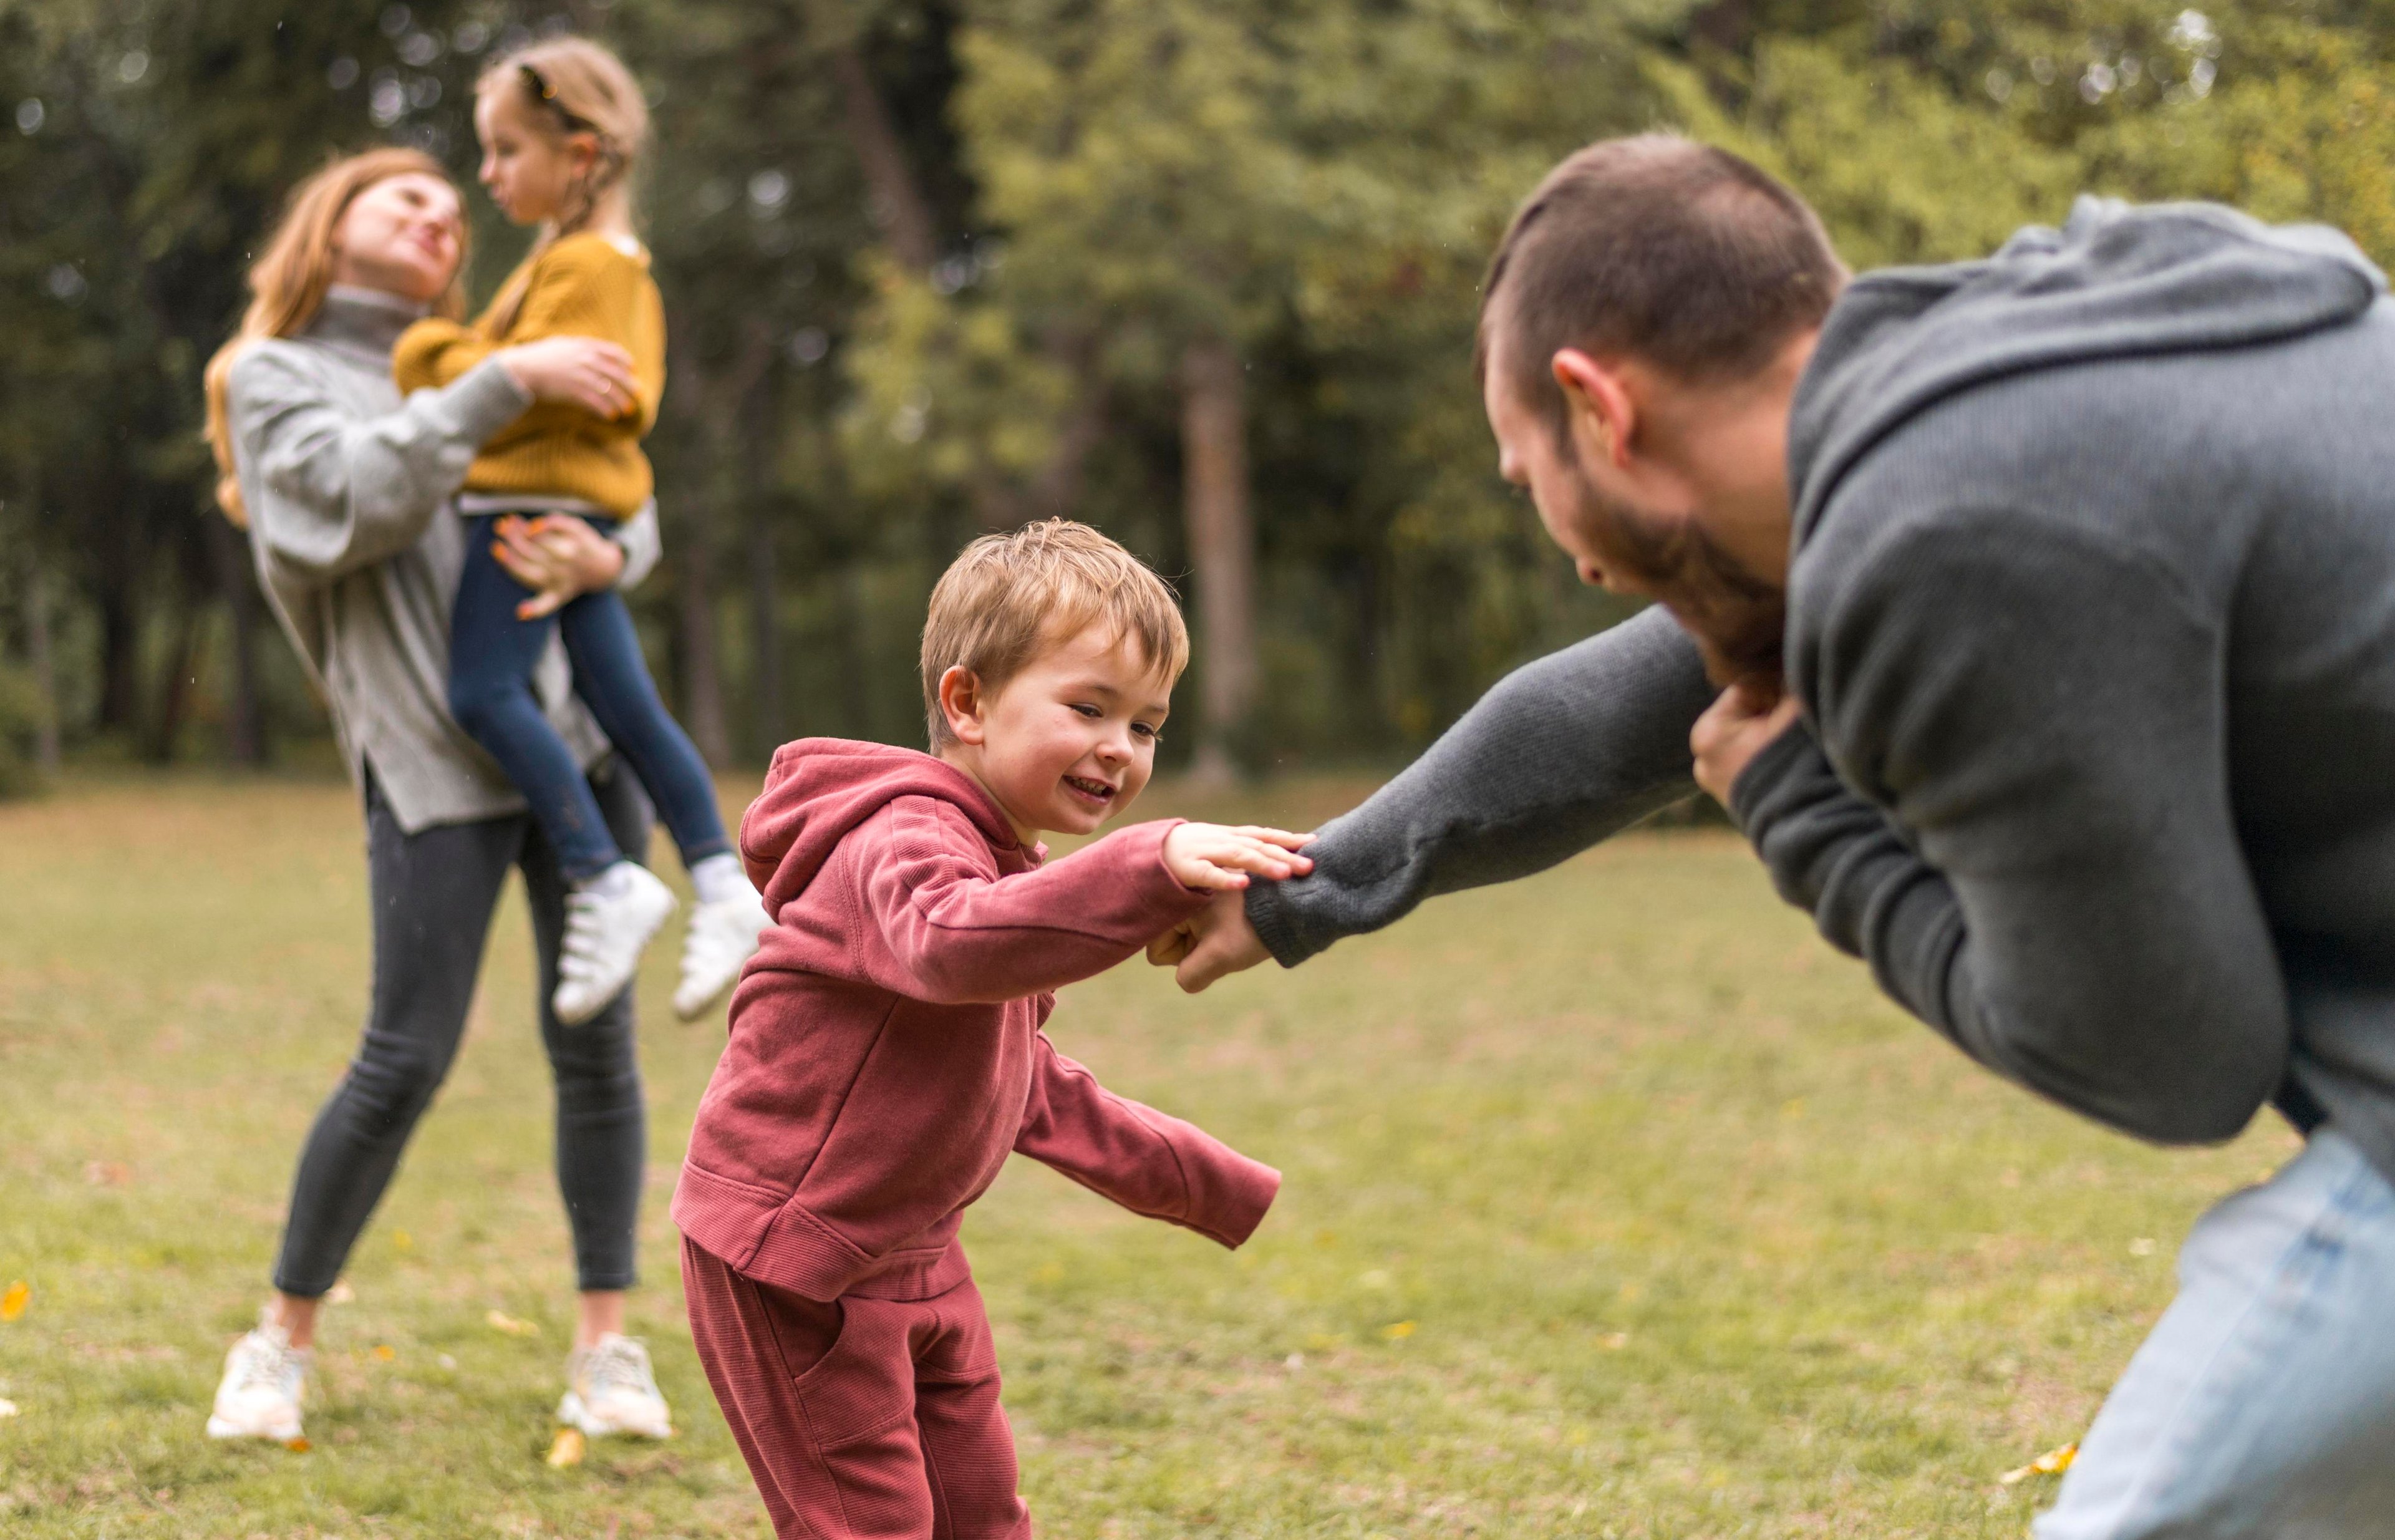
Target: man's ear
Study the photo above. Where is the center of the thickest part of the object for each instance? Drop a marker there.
(1602, 407)
(961, 704)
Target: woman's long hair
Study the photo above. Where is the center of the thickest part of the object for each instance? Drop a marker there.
(288, 281)
(570, 86)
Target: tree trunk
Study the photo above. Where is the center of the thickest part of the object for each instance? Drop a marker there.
(765, 628)
(898, 206)
(120, 662)
(1222, 550)
(229, 552)
(701, 685)
(1056, 488)
(39, 653)
(897, 203)
(177, 681)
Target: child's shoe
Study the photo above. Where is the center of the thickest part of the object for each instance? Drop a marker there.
(610, 1389)
(608, 920)
(258, 1397)
(723, 936)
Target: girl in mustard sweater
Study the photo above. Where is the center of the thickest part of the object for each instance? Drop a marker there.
(560, 123)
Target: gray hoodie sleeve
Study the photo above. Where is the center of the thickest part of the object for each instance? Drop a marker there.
(641, 545)
(2047, 871)
(340, 491)
(1557, 756)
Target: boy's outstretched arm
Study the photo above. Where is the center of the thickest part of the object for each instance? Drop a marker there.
(946, 927)
(1151, 1163)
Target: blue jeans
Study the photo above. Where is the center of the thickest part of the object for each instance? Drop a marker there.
(2264, 1402)
(492, 655)
(433, 892)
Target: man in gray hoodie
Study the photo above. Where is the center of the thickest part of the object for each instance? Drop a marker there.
(2035, 620)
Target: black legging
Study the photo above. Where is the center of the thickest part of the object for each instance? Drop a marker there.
(433, 892)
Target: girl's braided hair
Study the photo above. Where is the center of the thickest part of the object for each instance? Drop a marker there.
(573, 86)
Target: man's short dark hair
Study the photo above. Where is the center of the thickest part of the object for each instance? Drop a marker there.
(1659, 248)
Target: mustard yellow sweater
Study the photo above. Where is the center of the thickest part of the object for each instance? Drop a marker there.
(583, 286)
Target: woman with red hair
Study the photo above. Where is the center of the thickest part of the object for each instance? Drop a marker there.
(346, 489)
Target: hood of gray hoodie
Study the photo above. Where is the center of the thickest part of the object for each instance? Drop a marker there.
(2117, 280)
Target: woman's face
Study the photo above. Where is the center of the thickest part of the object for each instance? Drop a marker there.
(527, 166)
(401, 235)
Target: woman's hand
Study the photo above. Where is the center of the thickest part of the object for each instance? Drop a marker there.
(1214, 859)
(579, 371)
(558, 556)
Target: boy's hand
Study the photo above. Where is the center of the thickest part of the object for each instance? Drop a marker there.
(1213, 859)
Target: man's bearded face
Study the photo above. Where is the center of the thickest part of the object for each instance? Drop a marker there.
(1738, 619)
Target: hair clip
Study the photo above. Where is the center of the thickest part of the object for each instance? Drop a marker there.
(541, 87)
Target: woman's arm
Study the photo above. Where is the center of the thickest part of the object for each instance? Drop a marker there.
(331, 492)
(583, 290)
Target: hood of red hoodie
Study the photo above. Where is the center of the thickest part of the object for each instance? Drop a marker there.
(819, 789)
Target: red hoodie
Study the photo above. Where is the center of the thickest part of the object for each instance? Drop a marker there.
(886, 1051)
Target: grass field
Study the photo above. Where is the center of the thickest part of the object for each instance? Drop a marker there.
(1616, 1205)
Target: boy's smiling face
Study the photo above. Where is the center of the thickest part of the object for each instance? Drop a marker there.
(1069, 740)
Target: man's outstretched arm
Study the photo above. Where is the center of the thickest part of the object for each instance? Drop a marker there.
(1557, 756)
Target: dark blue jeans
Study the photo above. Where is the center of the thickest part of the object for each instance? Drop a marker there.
(492, 655)
(434, 892)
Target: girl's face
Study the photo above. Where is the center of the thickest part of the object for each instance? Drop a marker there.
(401, 235)
(528, 166)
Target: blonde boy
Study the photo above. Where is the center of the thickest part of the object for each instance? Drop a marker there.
(886, 1050)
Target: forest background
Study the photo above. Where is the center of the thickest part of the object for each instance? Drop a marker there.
(1202, 272)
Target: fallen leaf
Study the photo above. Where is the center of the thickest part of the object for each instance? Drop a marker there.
(12, 1304)
(568, 1449)
(2053, 1462)
(509, 1324)
(384, 1351)
(297, 1446)
(1399, 1330)
(7, 1408)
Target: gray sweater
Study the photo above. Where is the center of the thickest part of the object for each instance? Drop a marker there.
(359, 548)
(2093, 617)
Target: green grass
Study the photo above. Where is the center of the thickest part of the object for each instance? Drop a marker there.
(1616, 1205)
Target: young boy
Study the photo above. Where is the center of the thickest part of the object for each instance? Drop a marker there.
(886, 1050)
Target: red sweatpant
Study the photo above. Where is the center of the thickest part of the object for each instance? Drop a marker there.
(867, 1419)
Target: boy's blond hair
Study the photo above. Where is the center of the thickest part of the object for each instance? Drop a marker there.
(1005, 598)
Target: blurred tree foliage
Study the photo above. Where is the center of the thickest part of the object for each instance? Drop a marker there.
(1204, 275)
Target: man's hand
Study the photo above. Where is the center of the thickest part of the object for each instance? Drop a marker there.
(1733, 730)
(558, 556)
(1214, 858)
(1216, 941)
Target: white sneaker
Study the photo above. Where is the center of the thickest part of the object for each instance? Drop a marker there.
(723, 936)
(258, 1397)
(608, 920)
(611, 1390)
